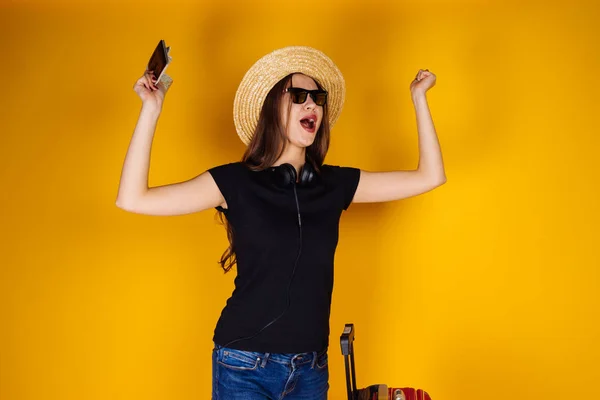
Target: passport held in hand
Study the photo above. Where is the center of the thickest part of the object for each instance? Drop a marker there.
(158, 63)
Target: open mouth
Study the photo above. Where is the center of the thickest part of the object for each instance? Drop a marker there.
(309, 123)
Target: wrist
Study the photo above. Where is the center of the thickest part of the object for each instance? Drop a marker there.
(150, 110)
(417, 95)
(418, 98)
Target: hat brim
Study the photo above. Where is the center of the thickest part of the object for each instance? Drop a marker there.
(273, 67)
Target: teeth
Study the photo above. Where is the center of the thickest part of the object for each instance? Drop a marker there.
(310, 122)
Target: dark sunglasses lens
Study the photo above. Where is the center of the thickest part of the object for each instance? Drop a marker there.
(298, 97)
(320, 98)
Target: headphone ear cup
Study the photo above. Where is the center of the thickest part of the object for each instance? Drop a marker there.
(285, 175)
(307, 174)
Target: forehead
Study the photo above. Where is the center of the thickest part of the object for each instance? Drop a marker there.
(303, 81)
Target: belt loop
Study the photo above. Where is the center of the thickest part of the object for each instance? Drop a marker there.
(264, 360)
(314, 362)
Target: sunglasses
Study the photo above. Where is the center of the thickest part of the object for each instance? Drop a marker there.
(299, 95)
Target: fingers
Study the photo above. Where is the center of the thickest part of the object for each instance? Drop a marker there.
(146, 83)
(149, 80)
(141, 86)
(422, 74)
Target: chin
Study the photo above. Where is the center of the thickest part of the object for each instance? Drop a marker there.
(303, 140)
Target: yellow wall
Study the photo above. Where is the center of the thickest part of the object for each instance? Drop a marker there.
(486, 288)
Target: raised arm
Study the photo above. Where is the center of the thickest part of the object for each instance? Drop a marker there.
(134, 195)
(395, 185)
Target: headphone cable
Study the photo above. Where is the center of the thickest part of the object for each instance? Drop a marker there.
(289, 300)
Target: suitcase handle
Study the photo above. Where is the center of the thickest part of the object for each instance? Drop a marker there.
(346, 341)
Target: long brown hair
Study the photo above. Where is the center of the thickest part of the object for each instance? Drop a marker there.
(267, 145)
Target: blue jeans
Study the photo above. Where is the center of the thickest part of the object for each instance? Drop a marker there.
(247, 375)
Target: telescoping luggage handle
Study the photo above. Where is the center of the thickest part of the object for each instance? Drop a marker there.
(347, 340)
(378, 392)
(372, 392)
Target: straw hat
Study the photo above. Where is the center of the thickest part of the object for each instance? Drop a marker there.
(273, 67)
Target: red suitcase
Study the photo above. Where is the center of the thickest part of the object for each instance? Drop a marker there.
(373, 392)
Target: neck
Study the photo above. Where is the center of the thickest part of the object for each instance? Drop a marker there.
(293, 155)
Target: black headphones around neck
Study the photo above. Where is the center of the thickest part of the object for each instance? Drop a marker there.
(285, 175)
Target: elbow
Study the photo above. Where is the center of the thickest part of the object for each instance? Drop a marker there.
(121, 204)
(438, 181)
(125, 204)
(433, 177)
(132, 201)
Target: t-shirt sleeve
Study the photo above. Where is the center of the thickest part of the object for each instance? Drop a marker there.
(228, 178)
(348, 178)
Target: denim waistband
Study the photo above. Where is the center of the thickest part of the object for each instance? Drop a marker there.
(292, 359)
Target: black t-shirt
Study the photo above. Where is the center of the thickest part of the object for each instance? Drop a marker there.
(264, 219)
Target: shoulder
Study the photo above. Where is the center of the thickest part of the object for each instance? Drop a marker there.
(229, 175)
(343, 179)
(230, 179)
(233, 166)
(229, 171)
(336, 172)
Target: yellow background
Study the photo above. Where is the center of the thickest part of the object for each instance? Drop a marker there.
(485, 288)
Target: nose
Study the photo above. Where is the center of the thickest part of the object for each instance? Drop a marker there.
(309, 104)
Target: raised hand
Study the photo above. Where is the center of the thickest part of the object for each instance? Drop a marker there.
(151, 92)
(424, 81)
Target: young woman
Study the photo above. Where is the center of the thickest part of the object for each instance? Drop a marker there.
(282, 207)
